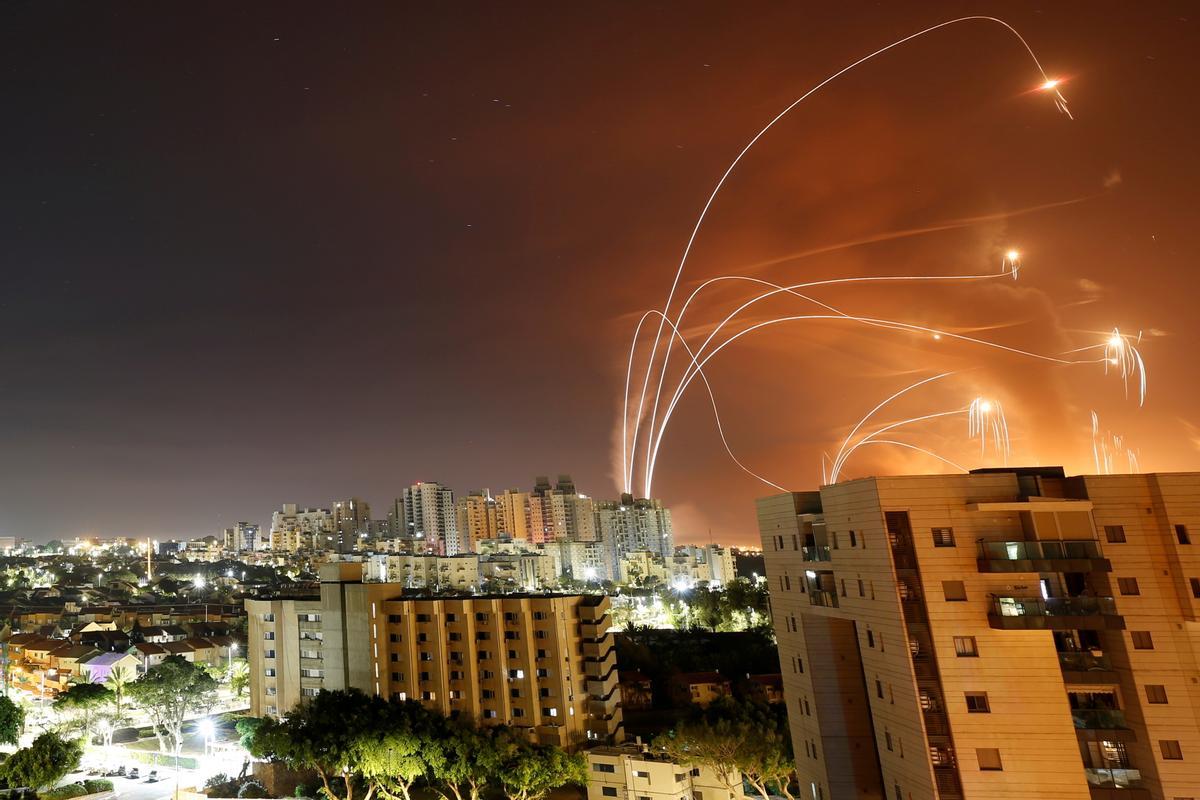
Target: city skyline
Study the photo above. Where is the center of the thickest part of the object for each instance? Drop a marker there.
(257, 260)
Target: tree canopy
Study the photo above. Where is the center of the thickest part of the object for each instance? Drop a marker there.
(168, 692)
(12, 721)
(736, 740)
(42, 764)
(379, 747)
(80, 704)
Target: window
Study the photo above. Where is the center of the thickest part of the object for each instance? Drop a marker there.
(268, 654)
(639, 773)
(396, 677)
(1142, 640)
(543, 673)
(598, 767)
(861, 588)
(1181, 533)
(1195, 582)
(989, 758)
(269, 672)
(1170, 749)
(879, 688)
(965, 647)
(488, 694)
(1115, 533)
(887, 738)
(943, 537)
(1128, 585)
(395, 656)
(268, 617)
(608, 791)
(853, 539)
(269, 636)
(1156, 694)
(310, 692)
(394, 618)
(452, 618)
(393, 637)
(422, 618)
(954, 590)
(870, 638)
(424, 676)
(977, 703)
(427, 656)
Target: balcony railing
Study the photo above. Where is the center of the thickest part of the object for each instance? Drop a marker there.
(1084, 662)
(1099, 719)
(816, 553)
(1055, 549)
(1054, 606)
(1113, 778)
(1055, 613)
(823, 597)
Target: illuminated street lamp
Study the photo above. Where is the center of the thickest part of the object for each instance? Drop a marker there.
(206, 730)
(53, 673)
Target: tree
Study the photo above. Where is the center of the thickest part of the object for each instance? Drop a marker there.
(239, 676)
(736, 741)
(469, 758)
(168, 692)
(12, 721)
(322, 735)
(118, 681)
(531, 771)
(42, 764)
(80, 704)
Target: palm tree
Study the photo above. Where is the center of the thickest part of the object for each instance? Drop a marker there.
(120, 677)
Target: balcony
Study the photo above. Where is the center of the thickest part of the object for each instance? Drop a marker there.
(1055, 613)
(1098, 719)
(1084, 667)
(1115, 784)
(816, 553)
(826, 598)
(1058, 555)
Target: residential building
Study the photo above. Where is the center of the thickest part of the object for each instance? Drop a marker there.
(634, 771)
(512, 514)
(1010, 634)
(559, 513)
(476, 519)
(699, 688)
(350, 521)
(630, 525)
(430, 520)
(544, 663)
(458, 573)
(294, 528)
(243, 537)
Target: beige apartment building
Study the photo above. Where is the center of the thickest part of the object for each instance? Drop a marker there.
(545, 663)
(1003, 635)
(634, 771)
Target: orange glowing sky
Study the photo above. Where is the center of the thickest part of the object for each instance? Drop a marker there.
(295, 257)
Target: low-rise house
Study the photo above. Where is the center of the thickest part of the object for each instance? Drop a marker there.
(148, 654)
(699, 688)
(637, 693)
(634, 771)
(97, 668)
(162, 634)
(108, 641)
(66, 657)
(766, 688)
(182, 649)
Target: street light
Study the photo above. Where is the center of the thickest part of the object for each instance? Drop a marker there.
(206, 730)
(53, 673)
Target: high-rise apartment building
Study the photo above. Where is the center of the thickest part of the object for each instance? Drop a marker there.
(512, 514)
(476, 519)
(294, 528)
(543, 663)
(243, 537)
(1007, 634)
(559, 513)
(430, 520)
(630, 525)
(351, 524)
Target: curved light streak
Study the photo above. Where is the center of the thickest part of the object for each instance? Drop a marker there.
(837, 461)
(1060, 103)
(837, 469)
(919, 450)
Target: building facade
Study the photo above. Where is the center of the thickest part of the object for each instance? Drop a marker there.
(543, 663)
(636, 772)
(430, 519)
(629, 525)
(1006, 634)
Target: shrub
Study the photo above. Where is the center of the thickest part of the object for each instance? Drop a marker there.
(97, 785)
(64, 792)
(221, 786)
(252, 789)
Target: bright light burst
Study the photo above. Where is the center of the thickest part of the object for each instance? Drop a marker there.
(649, 415)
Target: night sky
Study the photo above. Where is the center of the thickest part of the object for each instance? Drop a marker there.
(286, 252)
